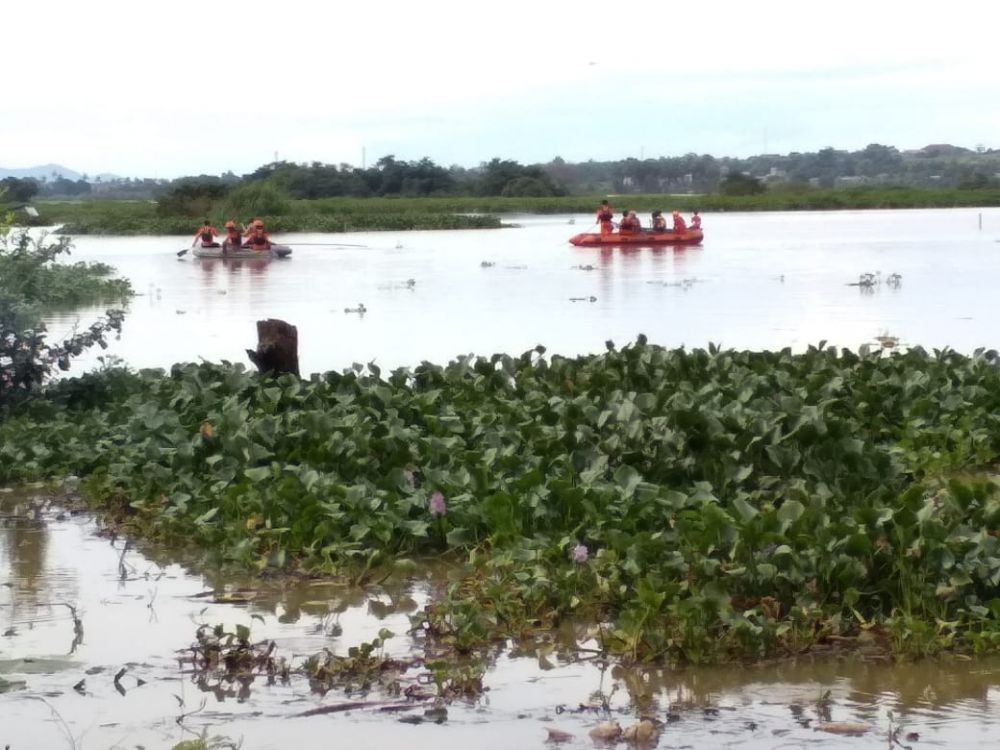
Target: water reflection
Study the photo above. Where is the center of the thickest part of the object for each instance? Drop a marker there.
(536, 684)
(23, 544)
(945, 686)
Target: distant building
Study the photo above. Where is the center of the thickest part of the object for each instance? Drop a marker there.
(852, 180)
(774, 176)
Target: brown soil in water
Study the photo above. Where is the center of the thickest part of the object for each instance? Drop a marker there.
(95, 644)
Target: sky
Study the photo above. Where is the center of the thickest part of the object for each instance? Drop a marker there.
(165, 89)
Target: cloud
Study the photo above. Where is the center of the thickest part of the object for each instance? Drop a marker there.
(152, 89)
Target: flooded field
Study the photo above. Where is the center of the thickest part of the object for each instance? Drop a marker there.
(94, 633)
(760, 281)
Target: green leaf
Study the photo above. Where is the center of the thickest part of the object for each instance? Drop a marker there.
(627, 478)
(206, 516)
(790, 512)
(458, 537)
(746, 511)
(258, 473)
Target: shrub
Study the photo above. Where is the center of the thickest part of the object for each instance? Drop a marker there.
(255, 199)
(31, 281)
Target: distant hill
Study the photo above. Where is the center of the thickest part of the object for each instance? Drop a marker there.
(43, 170)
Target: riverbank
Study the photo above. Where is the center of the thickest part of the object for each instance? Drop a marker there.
(398, 214)
(700, 506)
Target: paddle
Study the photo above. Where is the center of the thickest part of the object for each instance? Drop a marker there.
(184, 252)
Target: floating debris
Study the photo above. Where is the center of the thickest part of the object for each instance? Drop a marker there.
(557, 735)
(643, 733)
(869, 281)
(609, 732)
(847, 728)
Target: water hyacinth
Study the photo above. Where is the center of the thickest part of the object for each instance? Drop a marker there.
(437, 505)
(580, 554)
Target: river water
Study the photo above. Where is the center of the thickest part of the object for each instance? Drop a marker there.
(759, 281)
(138, 609)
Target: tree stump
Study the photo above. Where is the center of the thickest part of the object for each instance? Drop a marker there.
(277, 348)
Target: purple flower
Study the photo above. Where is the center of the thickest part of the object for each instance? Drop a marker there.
(437, 505)
(580, 554)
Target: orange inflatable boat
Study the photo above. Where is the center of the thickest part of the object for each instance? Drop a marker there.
(645, 237)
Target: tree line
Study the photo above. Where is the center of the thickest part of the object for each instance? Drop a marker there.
(941, 166)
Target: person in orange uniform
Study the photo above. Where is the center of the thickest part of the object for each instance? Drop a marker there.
(679, 225)
(695, 221)
(659, 223)
(606, 217)
(258, 239)
(207, 233)
(234, 238)
(629, 223)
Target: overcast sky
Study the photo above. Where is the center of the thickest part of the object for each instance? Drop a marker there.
(172, 88)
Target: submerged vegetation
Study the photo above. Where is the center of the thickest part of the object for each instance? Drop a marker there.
(694, 505)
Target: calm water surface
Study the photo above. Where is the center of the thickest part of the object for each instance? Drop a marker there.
(761, 280)
(138, 610)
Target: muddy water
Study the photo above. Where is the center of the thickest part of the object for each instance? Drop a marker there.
(764, 280)
(58, 689)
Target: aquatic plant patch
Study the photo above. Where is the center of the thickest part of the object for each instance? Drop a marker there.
(695, 505)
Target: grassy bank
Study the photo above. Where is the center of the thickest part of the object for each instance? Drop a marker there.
(398, 214)
(141, 218)
(703, 505)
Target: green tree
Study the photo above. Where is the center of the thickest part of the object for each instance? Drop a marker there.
(191, 197)
(497, 174)
(741, 184)
(17, 190)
